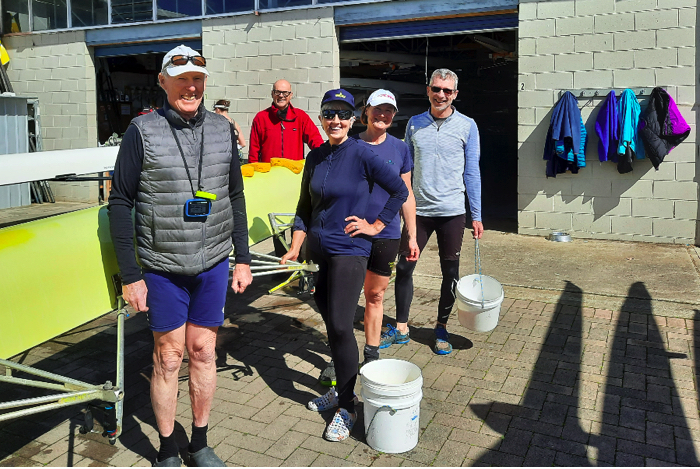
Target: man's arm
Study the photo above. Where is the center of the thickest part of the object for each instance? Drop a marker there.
(472, 178)
(255, 139)
(125, 184)
(409, 141)
(311, 136)
(241, 273)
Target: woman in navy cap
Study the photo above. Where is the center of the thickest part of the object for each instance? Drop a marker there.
(335, 192)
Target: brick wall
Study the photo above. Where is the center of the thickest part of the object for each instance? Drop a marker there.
(602, 44)
(247, 54)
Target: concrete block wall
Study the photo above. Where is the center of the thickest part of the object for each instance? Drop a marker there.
(58, 69)
(247, 54)
(604, 44)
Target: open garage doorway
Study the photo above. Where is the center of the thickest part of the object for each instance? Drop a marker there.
(486, 64)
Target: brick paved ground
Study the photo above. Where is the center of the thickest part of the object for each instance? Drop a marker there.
(555, 383)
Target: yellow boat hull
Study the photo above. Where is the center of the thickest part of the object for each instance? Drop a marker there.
(56, 273)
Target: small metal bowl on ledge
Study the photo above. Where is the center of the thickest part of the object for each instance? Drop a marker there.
(559, 236)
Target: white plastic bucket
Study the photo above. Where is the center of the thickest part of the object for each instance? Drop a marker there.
(472, 313)
(391, 393)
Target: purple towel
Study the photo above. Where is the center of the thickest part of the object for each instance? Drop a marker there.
(606, 127)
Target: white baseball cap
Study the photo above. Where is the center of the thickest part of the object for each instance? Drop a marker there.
(175, 70)
(382, 97)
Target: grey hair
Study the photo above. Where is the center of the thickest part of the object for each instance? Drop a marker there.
(444, 74)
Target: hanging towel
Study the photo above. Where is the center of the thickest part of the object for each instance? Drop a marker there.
(628, 148)
(565, 128)
(663, 127)
(606, 127)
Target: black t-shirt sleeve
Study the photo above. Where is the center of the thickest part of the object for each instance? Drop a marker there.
(240, 218)
(125, 184)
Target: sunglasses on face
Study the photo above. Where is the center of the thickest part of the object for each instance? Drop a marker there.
(197, 60)
(343, 114)
(284, 94)
(437, 89)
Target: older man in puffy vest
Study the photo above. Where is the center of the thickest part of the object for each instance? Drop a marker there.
(178, 168)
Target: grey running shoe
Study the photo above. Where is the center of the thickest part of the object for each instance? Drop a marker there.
(327, 377)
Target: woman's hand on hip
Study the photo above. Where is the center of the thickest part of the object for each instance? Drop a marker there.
(359, 225)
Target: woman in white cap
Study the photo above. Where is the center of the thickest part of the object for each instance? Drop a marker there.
(378, 116)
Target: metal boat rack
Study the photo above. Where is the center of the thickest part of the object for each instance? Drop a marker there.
(109, 396)
(264, 264)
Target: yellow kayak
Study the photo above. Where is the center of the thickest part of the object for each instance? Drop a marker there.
(56, 273)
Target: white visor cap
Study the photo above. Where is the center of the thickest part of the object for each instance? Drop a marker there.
(382, 97)
(175, 70)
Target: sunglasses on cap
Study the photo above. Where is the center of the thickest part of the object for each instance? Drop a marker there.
(437, 89)
(343, 114)
(197, 60)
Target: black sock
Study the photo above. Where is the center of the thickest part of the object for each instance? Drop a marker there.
(371, 352)
(199, 438)
(168, 447)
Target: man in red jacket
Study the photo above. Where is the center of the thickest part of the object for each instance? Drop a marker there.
(281, 130)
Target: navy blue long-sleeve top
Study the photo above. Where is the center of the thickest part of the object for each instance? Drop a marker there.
(337, 183)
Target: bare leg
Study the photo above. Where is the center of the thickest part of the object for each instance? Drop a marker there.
(167, 358)
(402, 327)
(375, 287)
(201, 345)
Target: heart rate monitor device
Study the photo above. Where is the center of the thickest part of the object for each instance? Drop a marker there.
(197, 208)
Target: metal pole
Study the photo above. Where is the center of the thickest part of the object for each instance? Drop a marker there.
(39, 384)
(59, 398)
(272, 258)
(46, 374)
(43, 408)
(278, 267)
(119, 406)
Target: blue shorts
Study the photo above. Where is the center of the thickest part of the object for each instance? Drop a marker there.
(173, 300)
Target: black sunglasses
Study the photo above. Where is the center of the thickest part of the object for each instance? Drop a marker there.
(284, 94)
(197, 60)
(343, 114)
(437, 89)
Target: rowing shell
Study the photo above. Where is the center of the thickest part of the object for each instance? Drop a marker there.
(57, 273)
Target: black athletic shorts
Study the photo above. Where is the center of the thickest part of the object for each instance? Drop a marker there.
(383, 256)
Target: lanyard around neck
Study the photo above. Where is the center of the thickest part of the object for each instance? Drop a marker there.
(187, 169)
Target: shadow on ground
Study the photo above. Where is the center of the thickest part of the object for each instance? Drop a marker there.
(255, 338)
(643, 420)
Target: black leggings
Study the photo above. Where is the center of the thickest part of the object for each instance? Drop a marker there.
(450, 233)
(338, 285)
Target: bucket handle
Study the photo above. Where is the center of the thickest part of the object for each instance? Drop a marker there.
(477, 268)
(392, 411)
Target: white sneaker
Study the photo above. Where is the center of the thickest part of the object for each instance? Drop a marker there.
(340, 427)
(327, 402)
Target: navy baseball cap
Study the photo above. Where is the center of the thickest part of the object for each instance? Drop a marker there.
(338, 95)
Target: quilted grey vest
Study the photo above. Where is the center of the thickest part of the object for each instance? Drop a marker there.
(166, 240)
